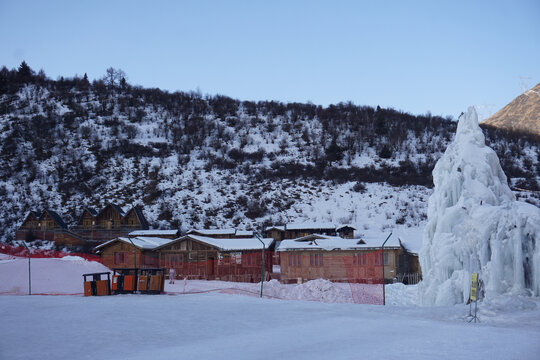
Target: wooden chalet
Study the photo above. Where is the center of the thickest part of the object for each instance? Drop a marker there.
(297, 230)
(216, 258)
(109, 223)
(46, 226)
(91, 228)
(342, 260)
(136, 252)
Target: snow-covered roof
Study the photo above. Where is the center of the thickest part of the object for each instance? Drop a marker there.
(154, 233)
(313, 225)
(339, 227)
(328, 243)
(213, 231)
(142, 242)
(281, 228)
(244, 233)
(229, 244)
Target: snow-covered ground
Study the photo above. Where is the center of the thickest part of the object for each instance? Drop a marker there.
(226, 323)
(213, 326)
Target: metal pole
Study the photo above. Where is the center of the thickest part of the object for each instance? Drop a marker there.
(262, 272)
(382, 260)
(29, 273)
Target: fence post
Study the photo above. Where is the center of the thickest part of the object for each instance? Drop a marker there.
(29, 273)
(262, 272)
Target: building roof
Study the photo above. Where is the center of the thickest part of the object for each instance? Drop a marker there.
(211, 232)
(244, 233)
(117, 208)
(273, 227)
(140, 216)
(142, 242)
(56, 218)
(339, 227)
(153, 233)
(311, 225)
(228, 244)
(329, 243)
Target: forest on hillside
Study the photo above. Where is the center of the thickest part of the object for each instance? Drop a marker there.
(72, 142)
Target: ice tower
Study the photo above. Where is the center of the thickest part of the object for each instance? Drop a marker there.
(475, 224)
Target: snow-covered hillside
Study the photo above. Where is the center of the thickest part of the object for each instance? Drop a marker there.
(205, 161)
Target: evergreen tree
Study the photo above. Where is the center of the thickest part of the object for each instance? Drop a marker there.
(380, 122)
(334, 152)
(24, 73)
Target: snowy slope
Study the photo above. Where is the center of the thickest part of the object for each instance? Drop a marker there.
(196, 162)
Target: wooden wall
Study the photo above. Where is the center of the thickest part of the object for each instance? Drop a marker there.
(195, 260)
(337, 265)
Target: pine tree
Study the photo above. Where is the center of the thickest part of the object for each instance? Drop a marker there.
(24, 73)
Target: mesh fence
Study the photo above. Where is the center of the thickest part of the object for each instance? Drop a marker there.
(322, 276)
(351, 277)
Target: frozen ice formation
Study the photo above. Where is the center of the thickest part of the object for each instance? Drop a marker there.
(475, 224)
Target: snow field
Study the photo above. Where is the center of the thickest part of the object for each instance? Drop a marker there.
(210, 326)
(217, 320)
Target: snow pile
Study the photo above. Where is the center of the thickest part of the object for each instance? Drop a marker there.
(49, 275)
(314, 290)
(476, 225)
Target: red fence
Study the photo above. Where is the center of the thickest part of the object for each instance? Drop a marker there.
(41, 253)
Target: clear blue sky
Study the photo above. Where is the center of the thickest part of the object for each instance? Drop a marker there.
(416, 56)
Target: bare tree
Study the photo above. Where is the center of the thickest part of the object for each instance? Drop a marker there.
(114, 77)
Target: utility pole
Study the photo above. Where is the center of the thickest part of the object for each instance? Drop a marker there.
(263, 252)
(382, 260)
(29, 273)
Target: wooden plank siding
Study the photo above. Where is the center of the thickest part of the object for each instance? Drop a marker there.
(195, 260)
(121, 255)
(339, 266)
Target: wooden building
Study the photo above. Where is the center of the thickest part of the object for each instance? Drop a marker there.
(136, 252)
(297, 230)
(109, 223)
(92, 227)
(216, 258)
(46, 226)
(341, 260)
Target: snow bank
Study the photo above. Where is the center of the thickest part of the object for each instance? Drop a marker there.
(476, 225)
(49, 275)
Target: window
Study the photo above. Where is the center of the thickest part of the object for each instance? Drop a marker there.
(295, 260)
(385, 258)
(316, 260)
(378, 258)
(359, 259)
(251, 259)
(175, 260)
(120, 257)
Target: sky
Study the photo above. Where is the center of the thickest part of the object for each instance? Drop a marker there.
(415, 56)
